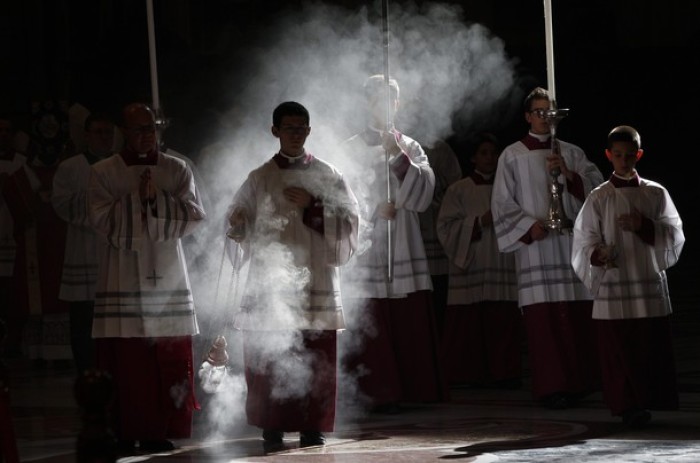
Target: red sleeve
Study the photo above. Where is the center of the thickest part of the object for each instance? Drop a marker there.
(400, 165)
(526, 238)
(313, 216)
(646, 231)
(476, 231)
(575, 187)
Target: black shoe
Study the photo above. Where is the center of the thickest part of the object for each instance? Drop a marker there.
(272, 440)
(636, 418)
(154, 446)
(311, 438)
(557, 401)
(270, 435)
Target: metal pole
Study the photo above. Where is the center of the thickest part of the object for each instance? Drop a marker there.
(387, 85)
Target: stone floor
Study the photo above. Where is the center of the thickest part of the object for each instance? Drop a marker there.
(476, 426)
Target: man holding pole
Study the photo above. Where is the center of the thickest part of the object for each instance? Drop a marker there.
(388, 301)
(556, 306)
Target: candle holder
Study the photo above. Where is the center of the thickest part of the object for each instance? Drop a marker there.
(556, 217)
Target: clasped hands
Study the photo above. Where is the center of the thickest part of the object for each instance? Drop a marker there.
(298, 196)
(237, 220)
(147, 192)
(630, 222)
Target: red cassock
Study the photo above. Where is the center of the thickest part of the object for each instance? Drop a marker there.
(404, 346)
(483, 342)
(40, 236)
(638, 367)
(157, 377)
(556, 331)
(312, 409)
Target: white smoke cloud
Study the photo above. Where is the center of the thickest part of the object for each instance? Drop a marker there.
(320, 55)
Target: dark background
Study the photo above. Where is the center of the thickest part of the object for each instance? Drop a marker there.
(617, 62)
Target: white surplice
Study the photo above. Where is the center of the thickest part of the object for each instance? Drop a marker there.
(445, 165)
(292, 279)
(69, 200)
(143, 289)
(520, 198)
(367, 273)
(478, 270)
(637, 287)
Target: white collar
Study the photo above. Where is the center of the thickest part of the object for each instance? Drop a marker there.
(540, 136)
(293, 159)
(379, 131)
(630, 177)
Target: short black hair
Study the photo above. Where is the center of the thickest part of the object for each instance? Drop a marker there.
(625, 133)
(483, 137)
(96, 117)
(289, 108)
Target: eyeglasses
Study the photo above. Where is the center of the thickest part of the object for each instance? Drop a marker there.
(294, 130)
(540, 112)
(142, 129)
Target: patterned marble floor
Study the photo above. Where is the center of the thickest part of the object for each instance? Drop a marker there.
(476, 426)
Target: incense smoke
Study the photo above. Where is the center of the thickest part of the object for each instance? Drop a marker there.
(320, 55)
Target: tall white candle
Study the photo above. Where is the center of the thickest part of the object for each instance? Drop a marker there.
(152, 55)
(549, 41)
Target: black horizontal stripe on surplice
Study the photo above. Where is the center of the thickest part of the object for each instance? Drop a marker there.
(144, 314)
(141, 303)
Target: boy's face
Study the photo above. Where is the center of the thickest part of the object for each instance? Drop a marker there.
(485, 158)
(292, 133)
(100, 137)
(624, 156)
(377, 109)
(538, 125)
